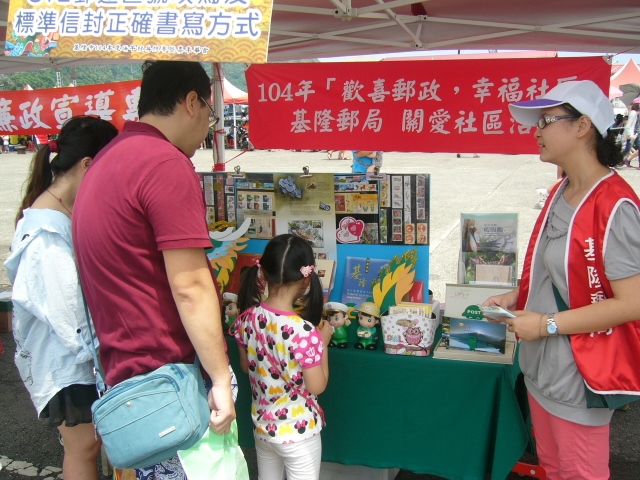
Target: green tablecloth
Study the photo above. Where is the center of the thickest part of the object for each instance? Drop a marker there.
(459, 420)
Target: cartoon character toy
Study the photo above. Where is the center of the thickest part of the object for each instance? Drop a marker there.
(338, 318)
(368, 318)
(230, 303)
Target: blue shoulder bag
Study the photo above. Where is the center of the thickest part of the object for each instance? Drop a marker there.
(148, 418)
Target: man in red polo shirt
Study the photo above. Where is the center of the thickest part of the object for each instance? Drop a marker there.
(139, 234)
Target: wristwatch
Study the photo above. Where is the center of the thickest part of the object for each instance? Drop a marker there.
(552, 327)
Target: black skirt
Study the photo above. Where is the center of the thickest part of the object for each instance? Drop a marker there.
(71, 406)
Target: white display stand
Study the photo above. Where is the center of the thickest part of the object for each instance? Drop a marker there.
(337, 471)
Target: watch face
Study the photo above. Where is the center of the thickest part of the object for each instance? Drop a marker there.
(552, 328)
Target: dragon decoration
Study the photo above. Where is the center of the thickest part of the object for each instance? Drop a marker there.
(395, 280)
(226, 243)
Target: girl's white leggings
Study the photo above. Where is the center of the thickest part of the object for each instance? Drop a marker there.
(300, 460)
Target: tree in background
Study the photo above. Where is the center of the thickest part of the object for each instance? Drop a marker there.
(91, 75)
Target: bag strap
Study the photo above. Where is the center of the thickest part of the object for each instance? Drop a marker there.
(97, 366)
(276, 365)
(97, 369)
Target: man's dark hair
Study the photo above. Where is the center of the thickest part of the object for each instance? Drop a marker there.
(166, 83)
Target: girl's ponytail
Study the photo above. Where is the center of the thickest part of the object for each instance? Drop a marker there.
(40, 178)
(313, 301)
(250, 291)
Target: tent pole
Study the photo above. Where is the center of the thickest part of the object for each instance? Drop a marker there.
(235, 128)
(218, 129)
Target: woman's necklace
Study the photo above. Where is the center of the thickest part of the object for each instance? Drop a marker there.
(553, 232)
(60, 200)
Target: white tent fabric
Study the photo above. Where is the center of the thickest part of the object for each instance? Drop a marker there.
(233, 95)
(307, 29)
(303, 29)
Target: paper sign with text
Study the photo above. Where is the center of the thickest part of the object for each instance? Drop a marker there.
(206, 31)
(405, 106)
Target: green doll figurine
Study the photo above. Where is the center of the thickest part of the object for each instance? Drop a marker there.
(230, 303)
(338, 317)
(368, 318)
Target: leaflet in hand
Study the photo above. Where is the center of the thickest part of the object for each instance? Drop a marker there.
(494, 311)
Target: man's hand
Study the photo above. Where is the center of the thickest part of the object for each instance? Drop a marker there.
(223, 410)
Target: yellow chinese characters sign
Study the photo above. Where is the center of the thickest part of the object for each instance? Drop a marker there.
(198, 30)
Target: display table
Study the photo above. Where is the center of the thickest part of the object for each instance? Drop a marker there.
(454, 419)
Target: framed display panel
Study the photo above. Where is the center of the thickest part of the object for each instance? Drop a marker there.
(359, 223)
(391, 210)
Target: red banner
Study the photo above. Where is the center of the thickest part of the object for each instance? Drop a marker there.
(32, 112)
(405, 106)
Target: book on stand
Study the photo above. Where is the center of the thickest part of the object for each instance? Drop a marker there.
(326, 271)
(488, 250)
(442, 352)
(359, 272)
(478, 335)
(461, 298)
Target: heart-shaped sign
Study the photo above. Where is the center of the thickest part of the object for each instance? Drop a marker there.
(356, 227)
(350, 230)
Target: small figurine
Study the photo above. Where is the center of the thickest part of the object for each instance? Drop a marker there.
(230, 303)
(338, 317)
(368, 318)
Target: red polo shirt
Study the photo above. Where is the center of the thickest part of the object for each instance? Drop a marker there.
(140, 196)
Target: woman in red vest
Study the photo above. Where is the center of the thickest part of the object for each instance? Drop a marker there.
(577, 304)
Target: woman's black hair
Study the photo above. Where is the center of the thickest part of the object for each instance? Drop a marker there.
(80, 137)
(608, 153)
(280, 264)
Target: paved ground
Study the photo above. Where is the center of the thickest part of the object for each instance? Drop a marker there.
(488, 183)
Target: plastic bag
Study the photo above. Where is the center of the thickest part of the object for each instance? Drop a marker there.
(215, 456)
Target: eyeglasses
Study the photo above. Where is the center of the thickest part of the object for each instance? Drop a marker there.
(544, 121)
(215, 119)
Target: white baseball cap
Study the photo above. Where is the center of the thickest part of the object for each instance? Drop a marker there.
(336, 307)
(229, 297)
(585, 96)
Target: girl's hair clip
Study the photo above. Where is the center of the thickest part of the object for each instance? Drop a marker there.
(306, 271)
(53, 146)
(256, 262)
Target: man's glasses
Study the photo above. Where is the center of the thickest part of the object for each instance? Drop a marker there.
(215, 119)
(544, 121)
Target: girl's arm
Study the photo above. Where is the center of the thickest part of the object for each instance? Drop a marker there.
(46, 285)
(317, 377)
(244, 362)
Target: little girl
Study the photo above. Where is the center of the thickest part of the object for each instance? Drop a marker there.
(286, 358)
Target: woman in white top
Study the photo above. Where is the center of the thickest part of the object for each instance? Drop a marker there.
(53, 359)
(629, 134)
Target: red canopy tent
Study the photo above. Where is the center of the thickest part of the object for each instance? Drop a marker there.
(233, 95)
(629, 73)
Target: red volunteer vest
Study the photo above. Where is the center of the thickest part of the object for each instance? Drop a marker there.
(607, 360)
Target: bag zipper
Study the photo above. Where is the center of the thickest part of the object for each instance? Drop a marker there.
(123, 388)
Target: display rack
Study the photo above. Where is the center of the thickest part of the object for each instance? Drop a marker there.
(341, 215)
